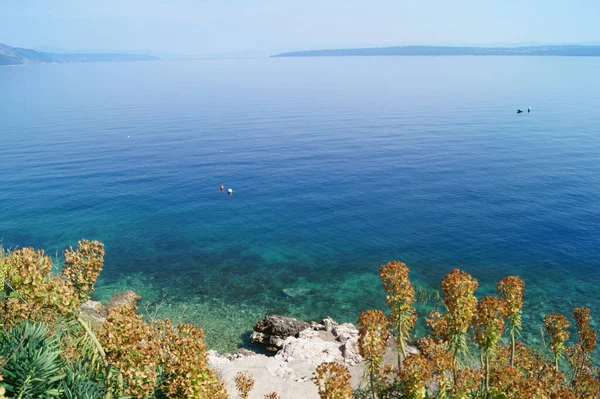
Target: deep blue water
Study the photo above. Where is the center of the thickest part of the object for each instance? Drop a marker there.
(337, 165)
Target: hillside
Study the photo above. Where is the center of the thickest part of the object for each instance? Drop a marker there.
(20, 56)
(558, 50)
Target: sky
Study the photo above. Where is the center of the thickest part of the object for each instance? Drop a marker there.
(204, 27)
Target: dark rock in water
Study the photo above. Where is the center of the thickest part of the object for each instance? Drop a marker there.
(126, 297)
(273, 330)
(280, 326)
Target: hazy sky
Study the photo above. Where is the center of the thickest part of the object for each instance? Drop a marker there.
(224, 26)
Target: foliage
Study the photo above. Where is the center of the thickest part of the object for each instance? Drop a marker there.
(244, 384)
(556, 326)
(373, 334)
(488, 324)
(400, 298)
(511, 290)
(83, 266)
(37, 365)
(579, 355)
(34, 292)
(503, 371)
(416, 371)
(33, 369)
(333, 381)
(158, 357)
(48, 351)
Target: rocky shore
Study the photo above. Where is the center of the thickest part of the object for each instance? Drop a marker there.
(290, 351)
(298, 348)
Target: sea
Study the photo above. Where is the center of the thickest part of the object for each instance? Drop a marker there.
(336, 166)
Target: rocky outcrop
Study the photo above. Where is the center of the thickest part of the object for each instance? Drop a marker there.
(310, 347)
(272, 331)
(95, 312)
(345, 332)
(312, 343)
(126, 297)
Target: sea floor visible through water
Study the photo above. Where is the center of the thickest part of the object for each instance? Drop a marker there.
(228, 321)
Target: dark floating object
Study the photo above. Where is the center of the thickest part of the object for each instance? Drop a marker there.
(519, 111)
(529, 109)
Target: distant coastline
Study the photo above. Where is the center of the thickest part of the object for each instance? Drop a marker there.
(556, 50)
(20, 56)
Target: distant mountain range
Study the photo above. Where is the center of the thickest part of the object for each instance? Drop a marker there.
(19, 56)
(548, 50)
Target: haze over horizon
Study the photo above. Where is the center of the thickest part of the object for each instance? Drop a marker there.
(203, 27)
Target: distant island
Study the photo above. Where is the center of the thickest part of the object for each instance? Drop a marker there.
(557, 50)
(20, 56)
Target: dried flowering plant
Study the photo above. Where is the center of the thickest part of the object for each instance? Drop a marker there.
(332, 381)
(488, 323)
(458, 288)
(35, 293)
(556, 325)
(579, 355)
(511, 290)
(415, 372)
(436, 351)
(372, 338)
(244, 384)
(400, 296)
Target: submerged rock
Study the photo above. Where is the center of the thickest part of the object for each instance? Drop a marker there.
(126, 297)
(296, 292)
(95, 312)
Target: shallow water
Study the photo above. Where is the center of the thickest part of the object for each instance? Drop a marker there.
(337, 165)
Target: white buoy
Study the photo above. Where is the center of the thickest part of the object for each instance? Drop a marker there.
(229, 191)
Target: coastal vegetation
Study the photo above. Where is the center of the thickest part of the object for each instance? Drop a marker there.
(466, 354)
(48, 350)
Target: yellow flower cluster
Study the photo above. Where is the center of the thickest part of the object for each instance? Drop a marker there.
(333, 381)
(400, 298)
(244, 384)
(36, 293)
(556, 325)
(142, 351)
(416, 371)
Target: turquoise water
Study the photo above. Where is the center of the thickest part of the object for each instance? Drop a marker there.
(337, 165)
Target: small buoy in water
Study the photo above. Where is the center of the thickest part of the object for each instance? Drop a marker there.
(229, 191)
(519, 111)
(529, 109)
(222, 187)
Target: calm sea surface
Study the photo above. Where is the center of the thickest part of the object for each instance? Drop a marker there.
(337, 165)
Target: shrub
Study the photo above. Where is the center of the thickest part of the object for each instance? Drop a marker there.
(400, 298)
(333, 381)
